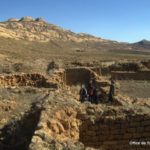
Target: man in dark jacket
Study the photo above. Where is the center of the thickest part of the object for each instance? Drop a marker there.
(83, 94)
(90, 90)
(111, 91)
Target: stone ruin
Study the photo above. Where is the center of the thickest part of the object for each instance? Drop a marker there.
(59, 121)
(35, 80)
(88, 126)
(123, 75)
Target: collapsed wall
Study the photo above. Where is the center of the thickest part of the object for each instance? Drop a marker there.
(35, 80)
(94, 126)
(17, 133)
(140, 75)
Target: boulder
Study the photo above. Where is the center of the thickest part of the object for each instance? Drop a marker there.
(40, 19)
(27, 19)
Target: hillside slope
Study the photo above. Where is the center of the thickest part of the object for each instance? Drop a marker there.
(38, 30)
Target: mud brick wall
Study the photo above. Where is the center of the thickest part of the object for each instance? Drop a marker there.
(75, 76)
(141, 75)
(116, 133)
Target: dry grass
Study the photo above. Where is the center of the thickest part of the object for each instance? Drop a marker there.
(135, 89)
(35, 56)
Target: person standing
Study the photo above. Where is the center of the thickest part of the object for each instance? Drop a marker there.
(95, 96)
(111, 91)
(83, 94)
(90, 91)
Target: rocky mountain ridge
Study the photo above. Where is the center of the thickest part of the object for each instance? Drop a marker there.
(39, 30)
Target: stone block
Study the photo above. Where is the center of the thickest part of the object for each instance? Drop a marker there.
(91, 133)
(131, 130)
(145, 123)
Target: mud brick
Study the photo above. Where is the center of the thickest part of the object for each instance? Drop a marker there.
(117, 137)
(145, 123)
(86, 139)
(104, 126)
(94, 128)
(115, 131)
(140, 129)
(91, 133)
(116, 126)
(145, 135)
(141, 148)
(147, 129)
(137, 135)
(122, 142)
(110, 143)
(131, 130)
(127, 136)
(134, 124)
(104, 132)
(95, 138)
(104, 138)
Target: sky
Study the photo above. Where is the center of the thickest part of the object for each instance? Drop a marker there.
(120, 20)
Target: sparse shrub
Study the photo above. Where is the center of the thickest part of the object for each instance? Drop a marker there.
(18, 67)
(6, 69)
(52, 66)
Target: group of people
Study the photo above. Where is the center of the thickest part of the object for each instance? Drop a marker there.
(92, 94)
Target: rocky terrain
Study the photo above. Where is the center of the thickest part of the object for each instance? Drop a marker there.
(39, 30)
(42, 68)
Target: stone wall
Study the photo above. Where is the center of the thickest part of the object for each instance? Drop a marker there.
(36, 80)
(95, 126)
(141, 75)
(76, 76)
(116, 133)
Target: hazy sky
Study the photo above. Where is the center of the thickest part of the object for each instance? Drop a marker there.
(122, 20)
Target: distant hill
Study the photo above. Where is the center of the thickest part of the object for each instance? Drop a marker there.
(145, 44)
(38, 30)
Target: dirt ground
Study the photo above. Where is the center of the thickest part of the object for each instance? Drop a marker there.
(16, 101)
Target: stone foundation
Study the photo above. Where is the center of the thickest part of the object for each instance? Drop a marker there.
(35, 80)
(116, 133)
(141, 75)
(94, 127)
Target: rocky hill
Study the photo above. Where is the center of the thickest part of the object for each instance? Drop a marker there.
(39, 30)
(143, 44)
(28, 28)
